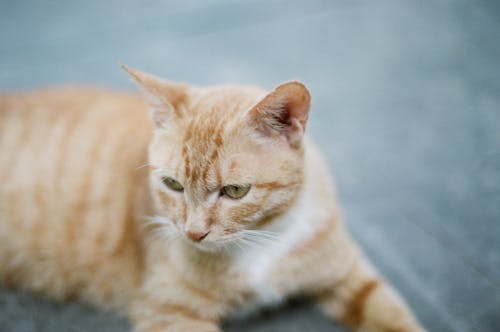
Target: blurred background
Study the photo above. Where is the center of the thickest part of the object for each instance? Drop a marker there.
(406, 106)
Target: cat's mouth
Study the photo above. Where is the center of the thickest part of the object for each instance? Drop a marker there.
(240, 240)
(206, 245)
(213, 243)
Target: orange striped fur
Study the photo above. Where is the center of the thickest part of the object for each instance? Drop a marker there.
(85, 211)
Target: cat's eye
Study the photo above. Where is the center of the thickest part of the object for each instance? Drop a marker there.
(235, 191)
(172, 184)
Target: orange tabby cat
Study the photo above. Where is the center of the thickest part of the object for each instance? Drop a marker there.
(220, 206)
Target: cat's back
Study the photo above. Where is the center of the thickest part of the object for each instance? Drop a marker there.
(45, 131)
(37, 107)
(51, 115)
(69, 163)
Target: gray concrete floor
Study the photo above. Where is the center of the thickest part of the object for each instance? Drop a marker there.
(406, 106)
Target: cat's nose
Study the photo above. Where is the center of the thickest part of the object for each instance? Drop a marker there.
(196, 235)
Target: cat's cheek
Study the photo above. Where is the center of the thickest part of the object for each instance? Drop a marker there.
(241, 214)
(168, 206)
(165, 200)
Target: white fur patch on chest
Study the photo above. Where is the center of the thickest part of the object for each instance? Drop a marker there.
(257, 263)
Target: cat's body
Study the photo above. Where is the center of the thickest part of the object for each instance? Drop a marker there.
(69, 185)
(78, 182)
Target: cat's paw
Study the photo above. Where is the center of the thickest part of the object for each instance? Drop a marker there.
(179, 327)
(402, 327)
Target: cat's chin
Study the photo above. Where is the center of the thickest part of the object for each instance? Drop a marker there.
(206, 246)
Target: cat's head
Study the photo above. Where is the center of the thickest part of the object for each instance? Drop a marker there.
(225, 161)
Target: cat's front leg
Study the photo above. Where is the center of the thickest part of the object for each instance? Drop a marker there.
(150, 317)
(362, 300)
(178, 326)
(170, 304)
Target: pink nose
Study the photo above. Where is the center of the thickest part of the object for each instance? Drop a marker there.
(197, 236)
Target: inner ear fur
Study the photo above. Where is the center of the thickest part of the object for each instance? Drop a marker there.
(283, 112)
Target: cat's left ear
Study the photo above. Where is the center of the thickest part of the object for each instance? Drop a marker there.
(283, 112)
(164, 97)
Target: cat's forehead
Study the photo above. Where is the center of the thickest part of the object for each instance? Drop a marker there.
(211, 133)
(224, 100)
(213, 115)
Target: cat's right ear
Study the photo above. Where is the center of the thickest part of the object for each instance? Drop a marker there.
(164, 97)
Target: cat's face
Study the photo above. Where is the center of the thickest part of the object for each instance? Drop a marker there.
(224, 161)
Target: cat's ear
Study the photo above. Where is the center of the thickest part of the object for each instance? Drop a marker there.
(164, 97)
(283, 112)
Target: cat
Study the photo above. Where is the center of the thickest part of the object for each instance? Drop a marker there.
(218, 205)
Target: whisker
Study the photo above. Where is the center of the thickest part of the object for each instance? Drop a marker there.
(262, 238)
(143, 165)
(159, 228)
(260, 232)
(156, 221)
(252, 243)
